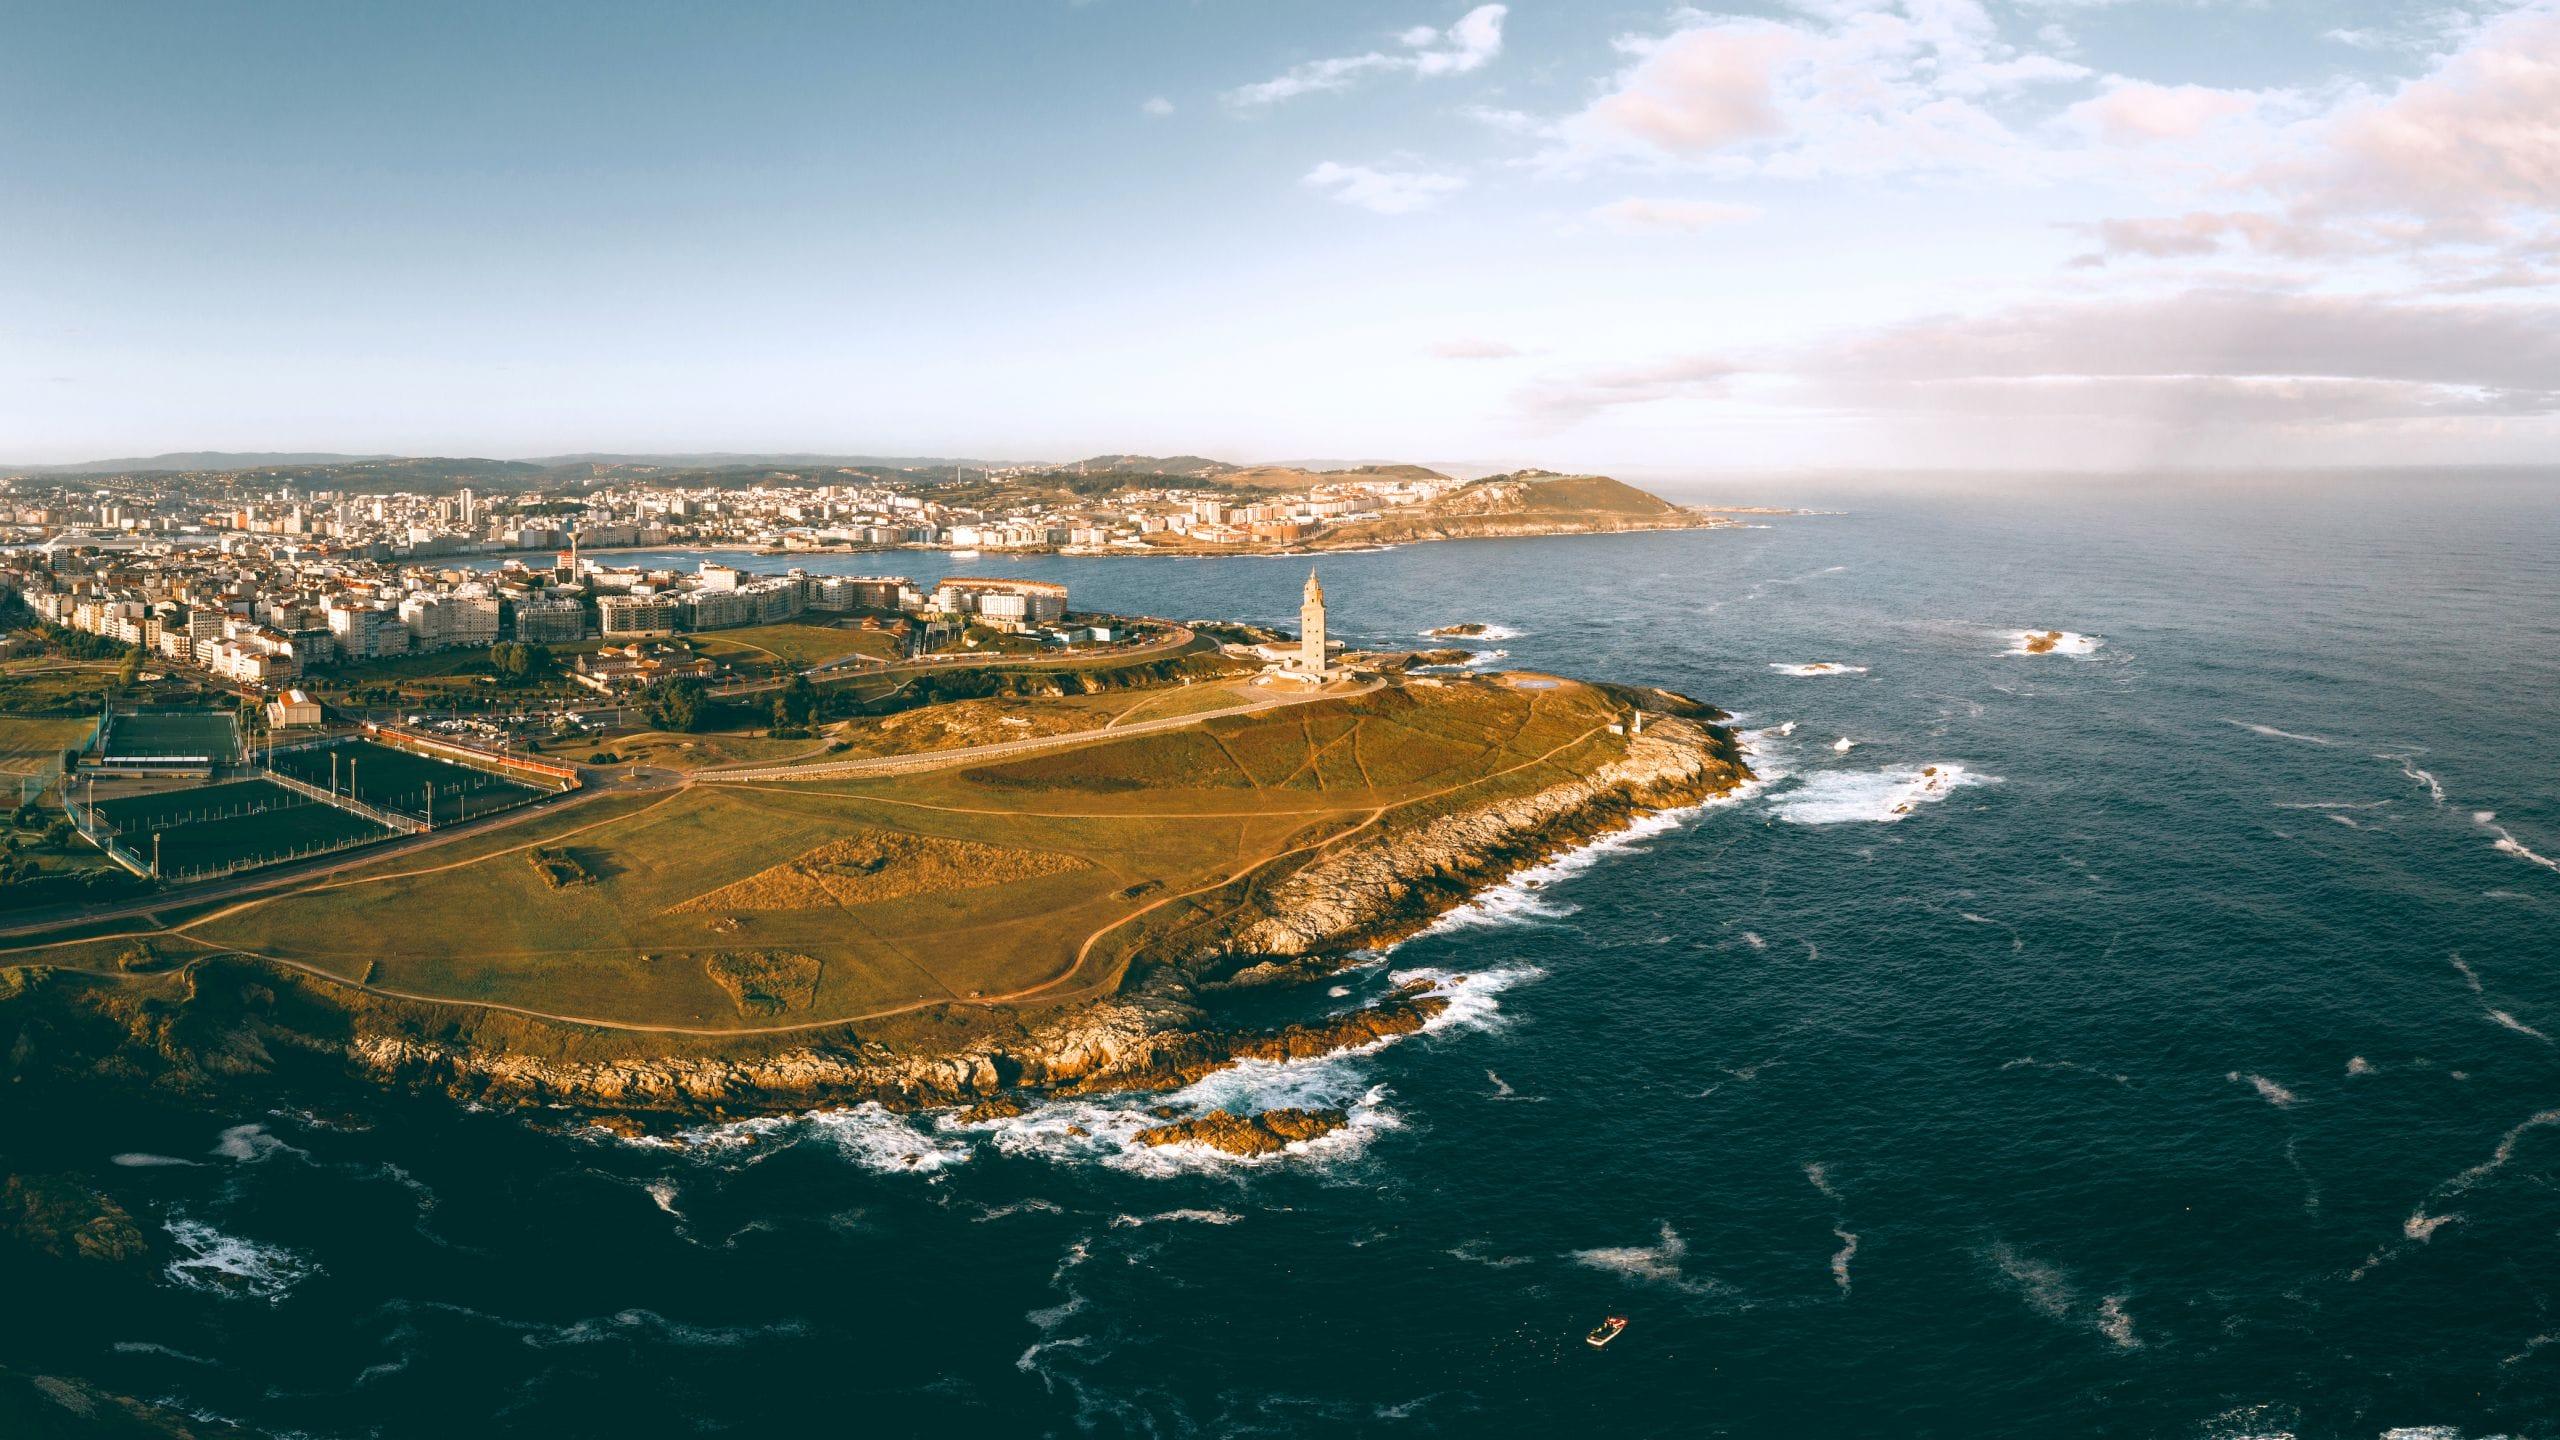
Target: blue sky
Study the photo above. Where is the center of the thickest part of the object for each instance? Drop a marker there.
(1871, 233)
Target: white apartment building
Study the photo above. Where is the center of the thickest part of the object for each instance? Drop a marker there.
(444, 622)
(631, 617)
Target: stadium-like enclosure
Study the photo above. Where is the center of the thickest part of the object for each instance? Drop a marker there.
(405, 782)
(217, 829)
(171, 742)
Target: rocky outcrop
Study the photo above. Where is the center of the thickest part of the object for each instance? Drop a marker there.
(221, 1020)
(1388, 888)
(62, 1217)
(1268, 1133)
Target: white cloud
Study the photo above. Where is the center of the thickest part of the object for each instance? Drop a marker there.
(2460, 164)
(1475, 350)
(1683, 216)
(1388, 192)
(2137, 112)
(1570, 396)
(1852, 87)
(1468, 45)
(2476, 142)
(1156, 108)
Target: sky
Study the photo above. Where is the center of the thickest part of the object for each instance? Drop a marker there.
(1865, 234)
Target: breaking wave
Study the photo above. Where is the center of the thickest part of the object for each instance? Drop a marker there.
(1660, 1263)
(1819, 667)
(2273, 733)
(2268, 1090)
(2508, 844)
(230, 1266)
(252, 1145)
(1873, 796)
(1521, 899)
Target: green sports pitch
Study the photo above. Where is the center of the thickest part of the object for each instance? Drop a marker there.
(403, 780)
(231, 826)
(171, 737)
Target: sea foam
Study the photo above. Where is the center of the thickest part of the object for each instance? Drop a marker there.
(1817, 668)
(230, 1266)
(1840, 797)
(2065, 643)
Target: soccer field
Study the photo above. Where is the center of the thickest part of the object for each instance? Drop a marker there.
(209, 736)
(245, 822)
(398, 780)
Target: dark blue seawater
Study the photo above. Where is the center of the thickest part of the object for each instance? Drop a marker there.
(2182, 1066)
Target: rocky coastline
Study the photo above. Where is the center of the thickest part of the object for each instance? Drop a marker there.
(231, 1020)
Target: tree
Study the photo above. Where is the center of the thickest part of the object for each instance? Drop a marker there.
(683, 703)
(129, 674)
(796, 708)
(520, 663)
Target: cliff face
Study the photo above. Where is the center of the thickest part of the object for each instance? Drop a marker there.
(236, 1019)
(1388, 888)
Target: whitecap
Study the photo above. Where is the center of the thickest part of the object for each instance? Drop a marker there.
(870, 1135)
(2268, 1090)
(1874, 796)
(2273, 733)
(1520, 899)
(1819, 667)
(230, 1266)
(636, 1325)
(2501, 1017)
(140, 1159)
(1660, 1263)
(2422, 1226)
(252, 1145)
(1033, 1206)
(1841, 1257)
(2358, 1065)
(664, 1193)
(2409, 767)
(2508, 844)
(2044, 1287)
(1176, 1217)
(2115, 1323)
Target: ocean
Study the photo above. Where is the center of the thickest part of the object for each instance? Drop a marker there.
(2154, 1037)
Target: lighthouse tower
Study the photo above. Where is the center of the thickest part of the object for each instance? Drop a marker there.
(1311, 628)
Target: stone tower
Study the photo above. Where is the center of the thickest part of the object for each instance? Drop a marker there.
(1311, 627)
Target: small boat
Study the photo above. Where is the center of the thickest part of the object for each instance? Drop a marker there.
(1606, 1331)
(964, 554)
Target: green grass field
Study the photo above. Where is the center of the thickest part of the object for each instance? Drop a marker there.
(399, 780)
(29, 742)
(1096, 835)
(210, 827)
(797, 645)
(172, 735)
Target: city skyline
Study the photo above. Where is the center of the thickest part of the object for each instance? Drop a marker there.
(1934, 234)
